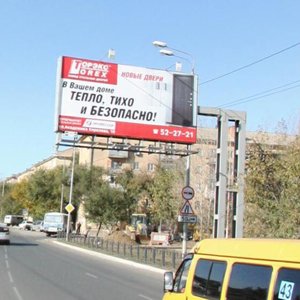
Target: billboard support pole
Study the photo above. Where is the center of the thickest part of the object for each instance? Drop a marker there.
(71, 189)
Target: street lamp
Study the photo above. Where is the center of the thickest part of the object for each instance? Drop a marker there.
(159, 44)
(166, 52)
(169, 51)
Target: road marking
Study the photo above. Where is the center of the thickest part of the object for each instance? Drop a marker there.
(91, 275)
(145, 297)
(17, 293)
(11, 280)
(10, 277)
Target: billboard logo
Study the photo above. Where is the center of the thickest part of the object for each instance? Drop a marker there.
(90, 70)
(79, 67)
(75, 66)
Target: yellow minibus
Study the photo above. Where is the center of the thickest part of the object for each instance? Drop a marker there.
(237, 269)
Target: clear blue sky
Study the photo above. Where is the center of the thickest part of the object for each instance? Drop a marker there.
(221, 35)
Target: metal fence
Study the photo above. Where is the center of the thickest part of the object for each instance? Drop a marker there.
(161, 257)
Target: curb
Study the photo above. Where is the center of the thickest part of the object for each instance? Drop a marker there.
(112, 258)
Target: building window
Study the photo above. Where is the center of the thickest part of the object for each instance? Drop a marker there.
(116, 165)
(150, 167)
(135, 165)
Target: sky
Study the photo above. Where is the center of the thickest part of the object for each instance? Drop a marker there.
(254, 44)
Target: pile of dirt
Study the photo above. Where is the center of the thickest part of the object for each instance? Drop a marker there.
(121, 237)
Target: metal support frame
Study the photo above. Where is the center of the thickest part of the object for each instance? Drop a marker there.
(222, 189)
(110, 143)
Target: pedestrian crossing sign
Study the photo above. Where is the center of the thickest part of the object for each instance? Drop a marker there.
(187, 209)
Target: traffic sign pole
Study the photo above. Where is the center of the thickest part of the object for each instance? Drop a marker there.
(187, 184)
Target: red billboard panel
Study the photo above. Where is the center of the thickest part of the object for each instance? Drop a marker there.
(106, 99)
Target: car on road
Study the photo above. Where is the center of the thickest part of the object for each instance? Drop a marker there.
(37, 225)
(4, 234)
(26, 225)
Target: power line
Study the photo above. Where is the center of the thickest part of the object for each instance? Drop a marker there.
(251, 64)
(261, 95)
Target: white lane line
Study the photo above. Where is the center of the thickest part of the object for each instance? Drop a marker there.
(91, 275)
(17, 293)
(145, 297)
(10, 277)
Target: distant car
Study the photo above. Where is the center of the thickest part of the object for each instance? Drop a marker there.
(4, 234)
(37, 225)
(26, 225)
(42, 227)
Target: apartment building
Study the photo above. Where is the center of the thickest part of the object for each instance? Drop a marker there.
(145, 156)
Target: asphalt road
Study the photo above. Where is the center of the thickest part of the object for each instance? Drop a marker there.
(34, 267)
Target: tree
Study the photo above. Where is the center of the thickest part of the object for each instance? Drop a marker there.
(9, 205)
(165, 195)
(39, 193)
(135, 189)
(272, 191)
(289, 207)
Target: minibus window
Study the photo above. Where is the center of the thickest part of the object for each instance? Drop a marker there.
(181, 275)
(208, 278)
(249, 282)
(287, 285)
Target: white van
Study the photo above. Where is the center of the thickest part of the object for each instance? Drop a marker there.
(55, 222)
(12, 220)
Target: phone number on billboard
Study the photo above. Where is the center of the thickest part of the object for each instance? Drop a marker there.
(176, 133)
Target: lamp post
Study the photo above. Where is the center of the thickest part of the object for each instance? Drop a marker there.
(2, 196)
(3, 188)
(169, 51)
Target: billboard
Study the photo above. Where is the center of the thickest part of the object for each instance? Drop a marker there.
(107, 99)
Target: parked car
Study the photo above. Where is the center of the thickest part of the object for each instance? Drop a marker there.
(4, 234)
(37, 225)
(26, 225)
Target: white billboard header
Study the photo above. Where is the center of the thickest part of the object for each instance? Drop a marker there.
(106, 99)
